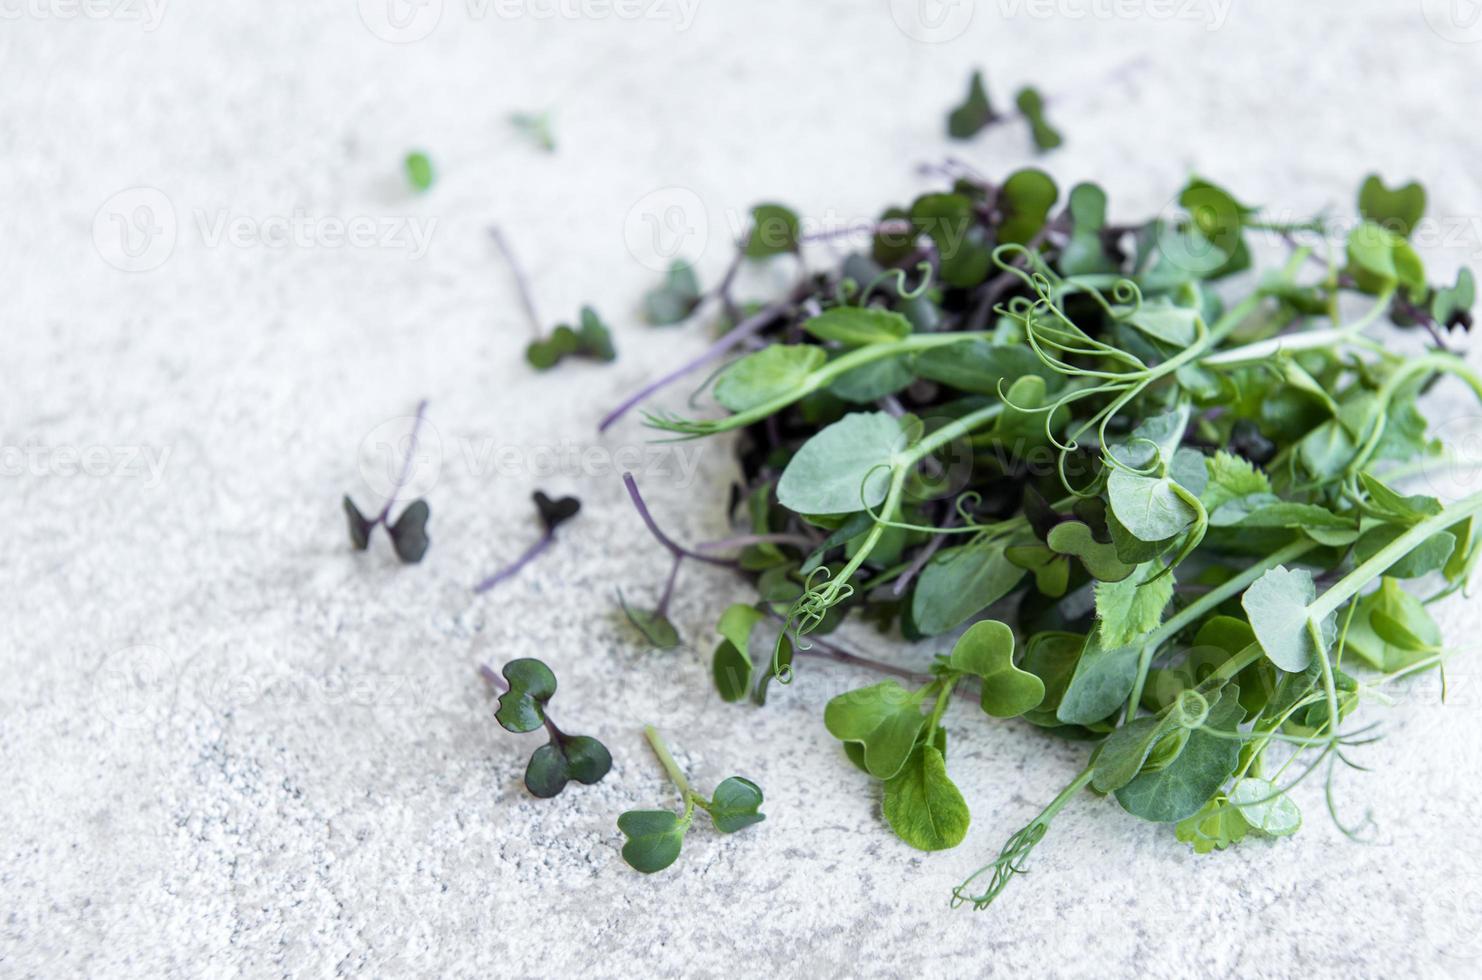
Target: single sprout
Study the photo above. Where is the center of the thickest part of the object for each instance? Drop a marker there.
(553, 513)
(409, 532)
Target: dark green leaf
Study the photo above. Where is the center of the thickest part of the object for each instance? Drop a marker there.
(844, 467)
(968, 119)
(360, 525)
(884, 718)
(563, 758)
(986, 651)
(923, 806)
(735, 804)
(531, 686)
(409, 533)
(960, 582)
(774, 231)
(654, 839)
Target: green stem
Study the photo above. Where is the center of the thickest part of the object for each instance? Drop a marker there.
(1196, 609)
(676, 775)
(1349, 585)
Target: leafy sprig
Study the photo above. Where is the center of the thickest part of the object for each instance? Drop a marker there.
(527, 686)
(654, 837)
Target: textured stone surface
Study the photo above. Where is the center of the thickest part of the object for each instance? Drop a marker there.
(233, 747)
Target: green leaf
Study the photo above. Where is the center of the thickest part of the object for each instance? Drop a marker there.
(1219, 219)
(1084, 254)
(1075, 538)
(1181, 788)
(1264, 808)
(856, 326)
(654, 839)
(960, 582)
(969, 119)
(419, 171)
(1452, 305)
(1133, 607)
(731, 666)
(979, 366)
(1429, 556)
(775, 230)
(870, 382)
(1120, 757)
(360, 525)
(1379, 259)
(735, 804)
(1032, 105)
(1398, 210)
(1398, 507)
(962, 244)
(1101, 684)
(409, 533)
(1276, 605)
(771, 372)
(1392, 651)
(1148, 507)
(1217, 825)
(986, 651)
(844, 467)
(1026, 198)
(1231, 478)
(566, 757)
(676, 299)
(656, 628)
(884, 718)
(923, 806)
(531, 686)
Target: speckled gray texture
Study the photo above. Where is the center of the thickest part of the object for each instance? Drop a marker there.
(234, 747)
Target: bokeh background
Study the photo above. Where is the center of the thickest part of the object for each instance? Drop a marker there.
(234, 747)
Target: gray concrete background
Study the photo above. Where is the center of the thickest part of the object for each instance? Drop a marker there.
(234, 747)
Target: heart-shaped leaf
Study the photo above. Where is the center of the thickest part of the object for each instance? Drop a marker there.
(654, 839)
(360, 525)
(774, 231)
(885, 718)
(1051, 570)
(531, 687)
(409, 533)
(1032, 105)
(563, 758)
(554, 513)
(1398, 210)
(976, 112)
(986, 651)
(1100, 559)
(923, 806)
(676, 299)
(1026, 199)
(734, 805)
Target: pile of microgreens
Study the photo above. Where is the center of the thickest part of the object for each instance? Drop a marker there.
(1165, 511)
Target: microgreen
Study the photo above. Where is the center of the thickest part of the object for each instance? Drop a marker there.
(419, 171)
(654, 837)
(676, 299)
(553, 513)
(590, 339)
(408, 532)
(976, 113)
(536, 127)
(1165, 505)
(527, 687)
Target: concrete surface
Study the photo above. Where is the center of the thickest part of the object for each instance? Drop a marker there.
(232, 747)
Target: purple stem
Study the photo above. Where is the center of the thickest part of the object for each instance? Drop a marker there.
(521, 282)
(674, 549)
(734, 336)
(663, 607)
(406, 465)
(746, 540)
(510, 570)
